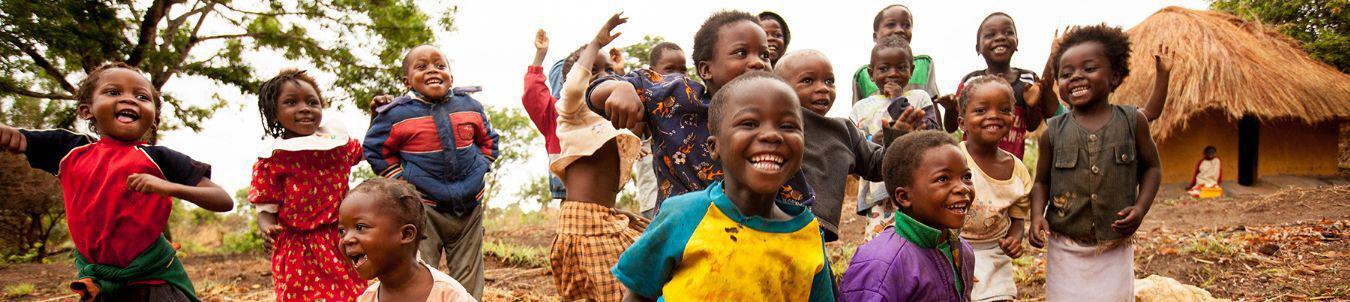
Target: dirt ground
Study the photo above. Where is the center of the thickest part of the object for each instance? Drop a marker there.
(1282, 240)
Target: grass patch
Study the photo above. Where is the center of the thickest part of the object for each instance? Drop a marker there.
(19, 290)
(840, 256)
(1026, 270)
(513, 217)
(517, 255)
(1211, 246)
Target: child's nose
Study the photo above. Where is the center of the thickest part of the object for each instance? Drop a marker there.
(758, 63)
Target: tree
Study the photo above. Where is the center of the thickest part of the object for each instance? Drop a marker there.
(516, 135)
(44, 43)
(32, 210)
(636, 54)
(537, 190)
(1321, 26)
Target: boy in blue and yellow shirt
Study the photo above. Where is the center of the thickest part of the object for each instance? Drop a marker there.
(738, 239)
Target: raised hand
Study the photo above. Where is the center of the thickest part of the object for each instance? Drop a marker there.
(541, 40)
(910, 120)
(1162, 61)
(604, 37)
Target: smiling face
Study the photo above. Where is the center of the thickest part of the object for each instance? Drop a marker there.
(299, 109)
(774, 31)
(891, 68)
(373, 240)
(672, 61)
(894, 21)
(426, 71)
(1085, 74)
(940, 191)
(122, 105)
(740, 46)
(988, 113)
(759, 139)
(997, 40)
(812, 78)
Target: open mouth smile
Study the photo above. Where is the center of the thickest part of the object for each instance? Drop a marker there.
(958, 208)
(767, 163)
(127, 116)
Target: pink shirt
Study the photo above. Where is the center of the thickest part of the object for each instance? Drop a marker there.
(443, 289)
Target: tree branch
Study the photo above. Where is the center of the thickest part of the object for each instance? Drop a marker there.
(29, 93)
(47, 66)
(163, 77)
(148, 28)
(201, 39)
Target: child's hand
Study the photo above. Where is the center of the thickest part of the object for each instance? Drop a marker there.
(603, 37)
(624, 109)
(1129, 222)
(616, 60)
(11, 140)
(146, 183)
(910, 120)
(1032, 95)
(270, 236)
(1012, 243)
(1162, 61)
(1039, 229)
(379, 100)
(541, 40)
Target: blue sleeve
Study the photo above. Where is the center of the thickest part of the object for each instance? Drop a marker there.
(647, 265)
(177, 167)
(384, 163)
(555, 79)
(822, 286)
(491, 135)
(46, 148)
(650, 86)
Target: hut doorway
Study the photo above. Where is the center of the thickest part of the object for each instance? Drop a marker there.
(1249, 136)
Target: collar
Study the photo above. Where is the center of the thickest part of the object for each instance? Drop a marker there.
(800, 216)
(916, 232)
(331, 134)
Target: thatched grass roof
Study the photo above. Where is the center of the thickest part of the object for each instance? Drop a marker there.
(1233, 66)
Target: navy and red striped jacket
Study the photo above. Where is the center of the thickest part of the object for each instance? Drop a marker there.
(444, 149)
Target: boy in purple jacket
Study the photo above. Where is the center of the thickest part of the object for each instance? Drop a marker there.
(920, 257)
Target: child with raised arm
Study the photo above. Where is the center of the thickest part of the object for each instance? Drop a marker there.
(298, 183)
(994, 223)
(738, 239)
(538, 103)
(891, 64)
(1097, 174)
(381, 223)
(673, 109)
(812, 78)
(441, 142)
(117, 188)
(594, 165)
(918, 256)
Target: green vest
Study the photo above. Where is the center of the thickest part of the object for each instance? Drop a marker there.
(1094, 175)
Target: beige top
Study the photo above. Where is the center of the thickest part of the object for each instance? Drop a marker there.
(581, 131)
(443, 289)
(996, 201)
(1207, 174)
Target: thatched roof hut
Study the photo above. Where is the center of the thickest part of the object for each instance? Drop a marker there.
(1227, 74)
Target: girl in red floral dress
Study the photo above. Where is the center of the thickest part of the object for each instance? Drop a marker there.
(298, 182)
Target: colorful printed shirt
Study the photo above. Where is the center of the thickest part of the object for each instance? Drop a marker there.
(701, 248)
(676, 110)
(444, 148)
(109, 223)
(997, 201)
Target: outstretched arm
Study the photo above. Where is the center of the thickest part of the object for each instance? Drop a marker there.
(205, 194)
(540, 47)
(618, 98)
(12, 140)
(1162, 63)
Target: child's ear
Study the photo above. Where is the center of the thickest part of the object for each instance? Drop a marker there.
(84, 112)
(712, 147)
(407, 234)
(704, 71)
(406, 82)
(901, 197)
(961, 122)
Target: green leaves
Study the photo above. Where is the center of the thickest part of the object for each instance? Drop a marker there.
(1321, 26)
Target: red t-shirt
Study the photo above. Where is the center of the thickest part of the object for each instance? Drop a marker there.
(109, 223)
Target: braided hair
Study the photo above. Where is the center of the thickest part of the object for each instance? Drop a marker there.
(271, 90)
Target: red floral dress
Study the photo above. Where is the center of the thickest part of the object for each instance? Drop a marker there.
(304, 180)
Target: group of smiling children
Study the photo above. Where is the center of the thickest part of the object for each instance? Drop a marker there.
(749, 176)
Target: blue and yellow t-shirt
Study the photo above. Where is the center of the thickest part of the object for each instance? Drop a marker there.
(701, 248)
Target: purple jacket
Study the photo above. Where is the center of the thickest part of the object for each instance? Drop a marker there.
(890, 268)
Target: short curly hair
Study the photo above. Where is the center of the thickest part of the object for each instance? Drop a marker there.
(889, 42)
(85, 90)
(271, 90)
(787, 35)
(401, 199)
(659, 50)
(706, 37)
(986, 20)
(904, 154)
(1115, 45)
(721, 103)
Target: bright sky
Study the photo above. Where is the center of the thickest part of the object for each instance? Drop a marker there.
(493, 43)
